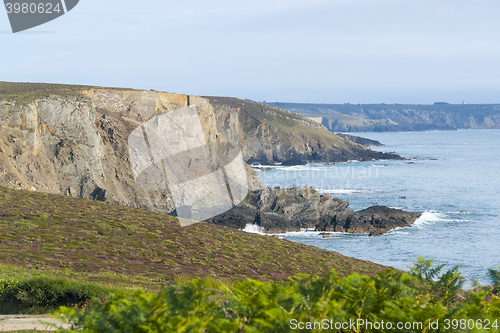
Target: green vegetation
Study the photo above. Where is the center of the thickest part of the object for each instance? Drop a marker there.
(24, 92)
(254, 306)
(494, 275)
(42, 295)
(91, 241)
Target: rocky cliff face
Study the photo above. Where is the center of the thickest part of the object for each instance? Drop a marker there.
(78, 145)
(73, 140)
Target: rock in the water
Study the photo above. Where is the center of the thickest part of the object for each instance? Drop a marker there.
(281, 210)
(380, 219)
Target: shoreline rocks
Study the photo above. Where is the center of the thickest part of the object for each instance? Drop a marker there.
(280, 210)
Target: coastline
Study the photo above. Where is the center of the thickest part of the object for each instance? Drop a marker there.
(452, 181)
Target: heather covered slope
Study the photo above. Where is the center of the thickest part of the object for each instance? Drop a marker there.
(104, 243)
(23, 93)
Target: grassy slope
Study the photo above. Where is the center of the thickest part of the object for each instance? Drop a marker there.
(92, 241)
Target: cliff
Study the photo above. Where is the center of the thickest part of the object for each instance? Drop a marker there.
(270, 135)
(73, 140)
(398, 117)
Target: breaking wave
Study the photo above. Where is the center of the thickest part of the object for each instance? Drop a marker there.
(430, 218)
(254, 229)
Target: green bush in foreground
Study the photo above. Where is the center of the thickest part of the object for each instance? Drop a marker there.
(494, 275)
(255, 306)
(43, 294)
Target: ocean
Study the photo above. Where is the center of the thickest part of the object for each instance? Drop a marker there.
(451, 176)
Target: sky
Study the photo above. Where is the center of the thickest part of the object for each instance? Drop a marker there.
(310, 51)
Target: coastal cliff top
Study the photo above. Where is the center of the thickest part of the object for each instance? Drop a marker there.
(26, 92)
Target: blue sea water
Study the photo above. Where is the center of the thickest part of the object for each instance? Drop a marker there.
(452, 177)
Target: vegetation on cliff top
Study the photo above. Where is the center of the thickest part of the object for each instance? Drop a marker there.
(24, 92)
(27, 92)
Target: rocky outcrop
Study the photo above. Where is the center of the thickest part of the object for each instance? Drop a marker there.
(390, 118)
(359, 140)
(281, 210)
(382, 219)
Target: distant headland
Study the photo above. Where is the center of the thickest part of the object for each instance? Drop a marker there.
(398, 117)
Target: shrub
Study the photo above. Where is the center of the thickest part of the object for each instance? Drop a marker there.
(494, 275)
(422, 296)
(42, 295)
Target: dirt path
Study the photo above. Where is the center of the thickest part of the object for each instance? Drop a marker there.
(22, 322)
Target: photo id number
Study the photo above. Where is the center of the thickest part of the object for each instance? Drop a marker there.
(32, 8)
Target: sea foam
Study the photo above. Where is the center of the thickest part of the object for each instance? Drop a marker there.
(343, 191)
(429, 218)
(253, 229)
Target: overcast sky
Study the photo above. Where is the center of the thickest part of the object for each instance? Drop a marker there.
(317, 51)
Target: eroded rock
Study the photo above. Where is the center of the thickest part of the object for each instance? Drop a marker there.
(282, 210)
